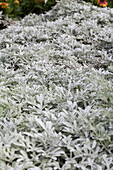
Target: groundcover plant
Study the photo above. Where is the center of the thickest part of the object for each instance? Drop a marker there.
(56, 90)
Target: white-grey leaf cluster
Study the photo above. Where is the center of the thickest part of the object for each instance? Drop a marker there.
(56, 90)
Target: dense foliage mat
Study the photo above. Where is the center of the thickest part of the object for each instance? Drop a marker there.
(56, 90)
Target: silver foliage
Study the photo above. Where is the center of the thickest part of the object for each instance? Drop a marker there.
(56, 90)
